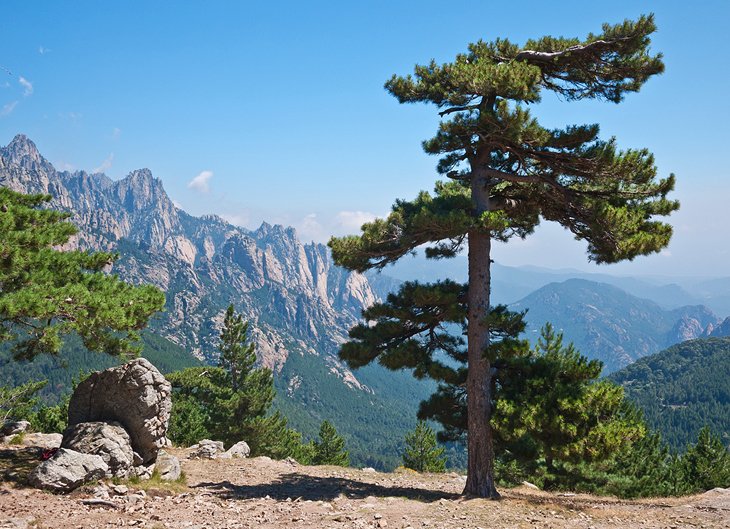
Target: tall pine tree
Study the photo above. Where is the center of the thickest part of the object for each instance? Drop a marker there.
(506, 172)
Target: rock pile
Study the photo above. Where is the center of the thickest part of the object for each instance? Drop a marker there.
(117, 426)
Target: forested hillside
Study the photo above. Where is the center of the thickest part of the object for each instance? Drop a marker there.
(75, 359)
(682, 389)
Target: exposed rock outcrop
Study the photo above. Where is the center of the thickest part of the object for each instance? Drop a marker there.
(168, 466)
(14, 428)
(135, 395)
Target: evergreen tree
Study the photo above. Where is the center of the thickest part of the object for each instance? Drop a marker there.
(48, 293)
(330, 449)
(552, 408)
(507, 172)
(422, 453)
(706, 464)
(230, 402)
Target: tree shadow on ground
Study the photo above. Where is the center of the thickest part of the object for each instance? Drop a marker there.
(305, 487)
(16, 464)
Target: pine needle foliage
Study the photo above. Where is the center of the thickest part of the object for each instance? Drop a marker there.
(330, 448)
(505, 173)
(47, 293)
(422, 452)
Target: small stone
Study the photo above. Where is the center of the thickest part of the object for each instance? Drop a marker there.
(168, 466)
(120, 489)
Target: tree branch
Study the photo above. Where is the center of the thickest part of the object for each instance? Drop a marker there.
(458, 109)
(596, 46)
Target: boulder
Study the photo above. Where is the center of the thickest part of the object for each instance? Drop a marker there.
(67, 470)
(238, 450)
(206, 449)
(108, 440)
(136, 395)
(167, 466)
(11, 428)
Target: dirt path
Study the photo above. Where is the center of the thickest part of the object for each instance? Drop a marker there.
(264, 494)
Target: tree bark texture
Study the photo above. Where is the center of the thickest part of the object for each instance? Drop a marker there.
(480, 466)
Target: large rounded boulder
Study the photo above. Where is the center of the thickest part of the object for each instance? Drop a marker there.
(134, 394)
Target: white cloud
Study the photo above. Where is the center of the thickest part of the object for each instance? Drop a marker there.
(237, 219)
(200, 182)
(43, 50)
(8, 108)
(73, 117)
(313, 227)
(27, 86)
(106, 164)
(116, 133)
(351, 221)
(310, 229)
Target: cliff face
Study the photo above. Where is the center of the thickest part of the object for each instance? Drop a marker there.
(293, 295)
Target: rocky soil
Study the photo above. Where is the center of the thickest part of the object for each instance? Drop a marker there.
(260, 493)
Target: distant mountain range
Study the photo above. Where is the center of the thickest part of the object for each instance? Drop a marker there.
(682, 389)
(611, 325)
(301, 305)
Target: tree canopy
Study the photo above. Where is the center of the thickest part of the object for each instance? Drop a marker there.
(505, 172)
(46, 292)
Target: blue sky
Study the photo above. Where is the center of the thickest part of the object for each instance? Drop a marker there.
(278, 108)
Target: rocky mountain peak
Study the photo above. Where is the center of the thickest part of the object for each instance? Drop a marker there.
(140, 190)
(24, 153)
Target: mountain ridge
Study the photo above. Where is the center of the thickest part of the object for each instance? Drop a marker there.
(609, 324)
(299, 304)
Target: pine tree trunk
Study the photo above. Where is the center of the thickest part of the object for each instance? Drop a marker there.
(480, 467)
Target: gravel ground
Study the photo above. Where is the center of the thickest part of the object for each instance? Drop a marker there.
(261, 493)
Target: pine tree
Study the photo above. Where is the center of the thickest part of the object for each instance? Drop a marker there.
(507, 172)
(231, 402)
(706, 464)
(330, 449)
(422, 453)
(552, 407)
(48, 293)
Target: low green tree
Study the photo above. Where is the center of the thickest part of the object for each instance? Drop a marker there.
(231, 402)
(706, 464)
(187, 421)
(48, 293)
(50, 419)
(330, 449)
(647, 468)
(422, 452)
(554, 410)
